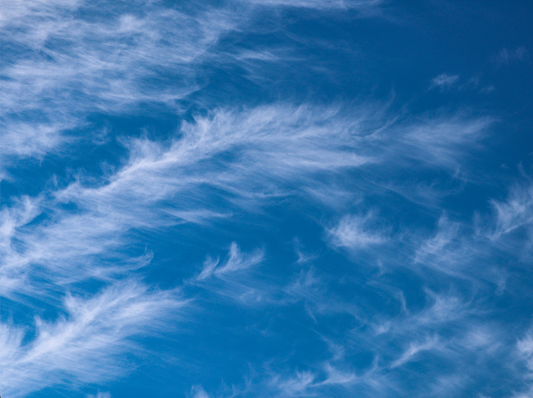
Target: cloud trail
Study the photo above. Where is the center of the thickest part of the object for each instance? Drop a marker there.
(353, 246)
(84, 345)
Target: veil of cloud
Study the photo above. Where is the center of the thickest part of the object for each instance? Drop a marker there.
(308, 198)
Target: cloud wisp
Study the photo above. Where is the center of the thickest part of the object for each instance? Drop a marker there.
(444, 81)
(349, 233)
(238, 159)
(352, 247)
(84, 344)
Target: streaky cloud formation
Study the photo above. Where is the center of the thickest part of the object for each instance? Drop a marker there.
(515, 212)
(361, 5)
(235, 262)
(265, 198)
(82, 346)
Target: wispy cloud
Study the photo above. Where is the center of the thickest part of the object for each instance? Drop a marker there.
(415, 348)
(442, 249)
(507, 56)
(296, 385)
(235, 262)
(100, 395)
(444, 81)
(349, 233)
(84, 344)
(84, 227)
(199, 392)
(524, 355)
(292, 143)
(104, 64)
(445, 142)
(67, 62)
(515, 212)
(362, 5)
(310, 383)
(72, 60)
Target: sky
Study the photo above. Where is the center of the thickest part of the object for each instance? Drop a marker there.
(266, 198)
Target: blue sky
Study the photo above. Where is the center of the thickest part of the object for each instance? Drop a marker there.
(266, 198)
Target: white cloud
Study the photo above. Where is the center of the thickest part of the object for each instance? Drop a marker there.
(199, 392)
(524, 354)
(236, 261)
(85, 344)
(295, 385)
(229, 160)
(354, 232)
(507, 56)
(444, 142)
(515, 212)
(100, 395)
(83, 230)
(338, 377)
(444, 80)
(70, 64)
(362, 5)
(326, 378)
(430, 344)
(274, 145)
(525, 349)
(236, 277)
(509, 227)
(106, 63)
(440, 249)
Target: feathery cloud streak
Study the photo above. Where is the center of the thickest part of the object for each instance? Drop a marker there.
(412, 254)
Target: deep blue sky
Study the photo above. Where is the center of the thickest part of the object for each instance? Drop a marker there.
(266, 198)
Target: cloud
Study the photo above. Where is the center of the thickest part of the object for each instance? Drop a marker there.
(349, 233)
(524, 355)
(515, 212)
(236, 261)
(507, 56)
(78, 246)
(441, 310)
(73, 60)
(308, 383)
(444, 81)
(238, 278)
(76, 60)
(273, 146)
(100, 395)
(509, 227)
(198, 392)
(22, 139)
(525, 349)
(84, 345)
(444, 142)
(230, 160)
(440, 249)
(362, 5)
(295, 385)
(414, 348)
(326, 379)
(105, 63)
